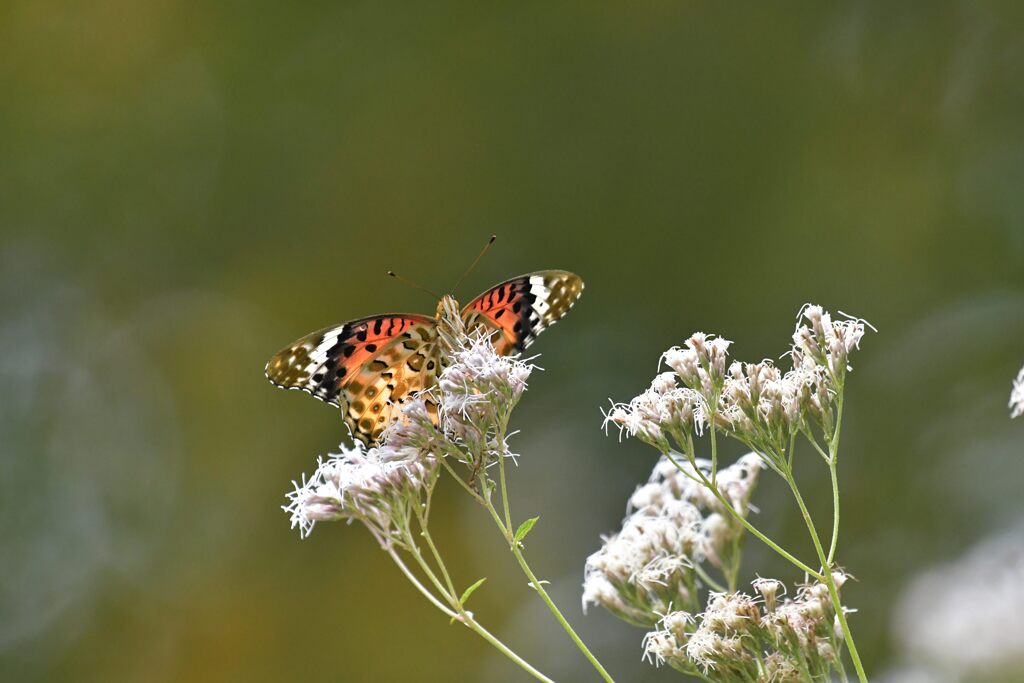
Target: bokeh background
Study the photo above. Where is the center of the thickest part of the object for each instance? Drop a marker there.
(187, 187)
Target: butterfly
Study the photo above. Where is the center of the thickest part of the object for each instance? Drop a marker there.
(370, 366)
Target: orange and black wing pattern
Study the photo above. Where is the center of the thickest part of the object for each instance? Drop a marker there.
(521, 308)
(367, 367)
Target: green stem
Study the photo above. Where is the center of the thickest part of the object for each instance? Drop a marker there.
(714, 454)
(437, 556)
(814, 442)
(829, 581)
(462, 482)
(802, 665)
(425, 566)
(539, 587)
(734, 562)
(742, 520)
(833, 460)
(514, 546)
(419, 586)
(835, 513)
(467, 619)
(708, 580)
(504, 490)
(507, 532)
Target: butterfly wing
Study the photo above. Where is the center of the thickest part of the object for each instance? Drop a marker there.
(367, 367)
(521, 308)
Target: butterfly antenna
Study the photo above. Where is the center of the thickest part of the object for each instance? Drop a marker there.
(475, 261)
(412, 284)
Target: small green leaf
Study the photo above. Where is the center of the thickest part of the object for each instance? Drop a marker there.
(469, 591)
(525, 527)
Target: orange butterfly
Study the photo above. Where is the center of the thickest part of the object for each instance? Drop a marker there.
(368, 367)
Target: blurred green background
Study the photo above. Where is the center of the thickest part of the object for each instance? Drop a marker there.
(187, 187)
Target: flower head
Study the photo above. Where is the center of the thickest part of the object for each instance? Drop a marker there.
(643, 568)
(663, 409)
(741, 638)
(373, 486)
(757, 403)
(824, 341)
(478, 391)
(770, 590)
(647, 568)
(701, 365)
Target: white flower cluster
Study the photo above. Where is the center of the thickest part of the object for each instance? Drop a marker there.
(648, 567)
(478, 392)
(1017, 396)
(825, 342)
(756, 402)
(663, 411)
(742, 638)
(374, 486)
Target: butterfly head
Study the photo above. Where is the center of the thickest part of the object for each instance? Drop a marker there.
(451, 328)
(447, 308)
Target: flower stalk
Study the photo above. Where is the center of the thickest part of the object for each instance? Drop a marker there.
(766, 410)
(478, 393)
(460, 423)
(389, 489)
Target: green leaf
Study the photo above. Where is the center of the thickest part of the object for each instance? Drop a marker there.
(525, 527)
(469, 591)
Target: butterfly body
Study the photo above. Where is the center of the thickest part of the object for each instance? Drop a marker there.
(370, 366)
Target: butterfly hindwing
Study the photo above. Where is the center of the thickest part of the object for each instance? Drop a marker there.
(366, 367)
(523, 307)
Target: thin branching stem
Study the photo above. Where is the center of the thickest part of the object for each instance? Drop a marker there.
(714, 452)
(501, 477)
(516, 548)
(706, 578)
(425, 533)
(414, 580)
(505, 525)
(467, 619)
(833, 461)
(828, 580)
(539, 587)
(740, 518)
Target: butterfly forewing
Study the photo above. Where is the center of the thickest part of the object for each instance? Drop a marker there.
(523, 307)
(406, 365)
(367, 367)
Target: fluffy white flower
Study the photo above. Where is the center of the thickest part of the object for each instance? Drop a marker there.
(357, 483)
(479, 390)
(1017, 395)
(701, 365)
(655, 414)
(769, 590)
(825, 341)
(736, 638)
(646, 569)
(755, 402)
